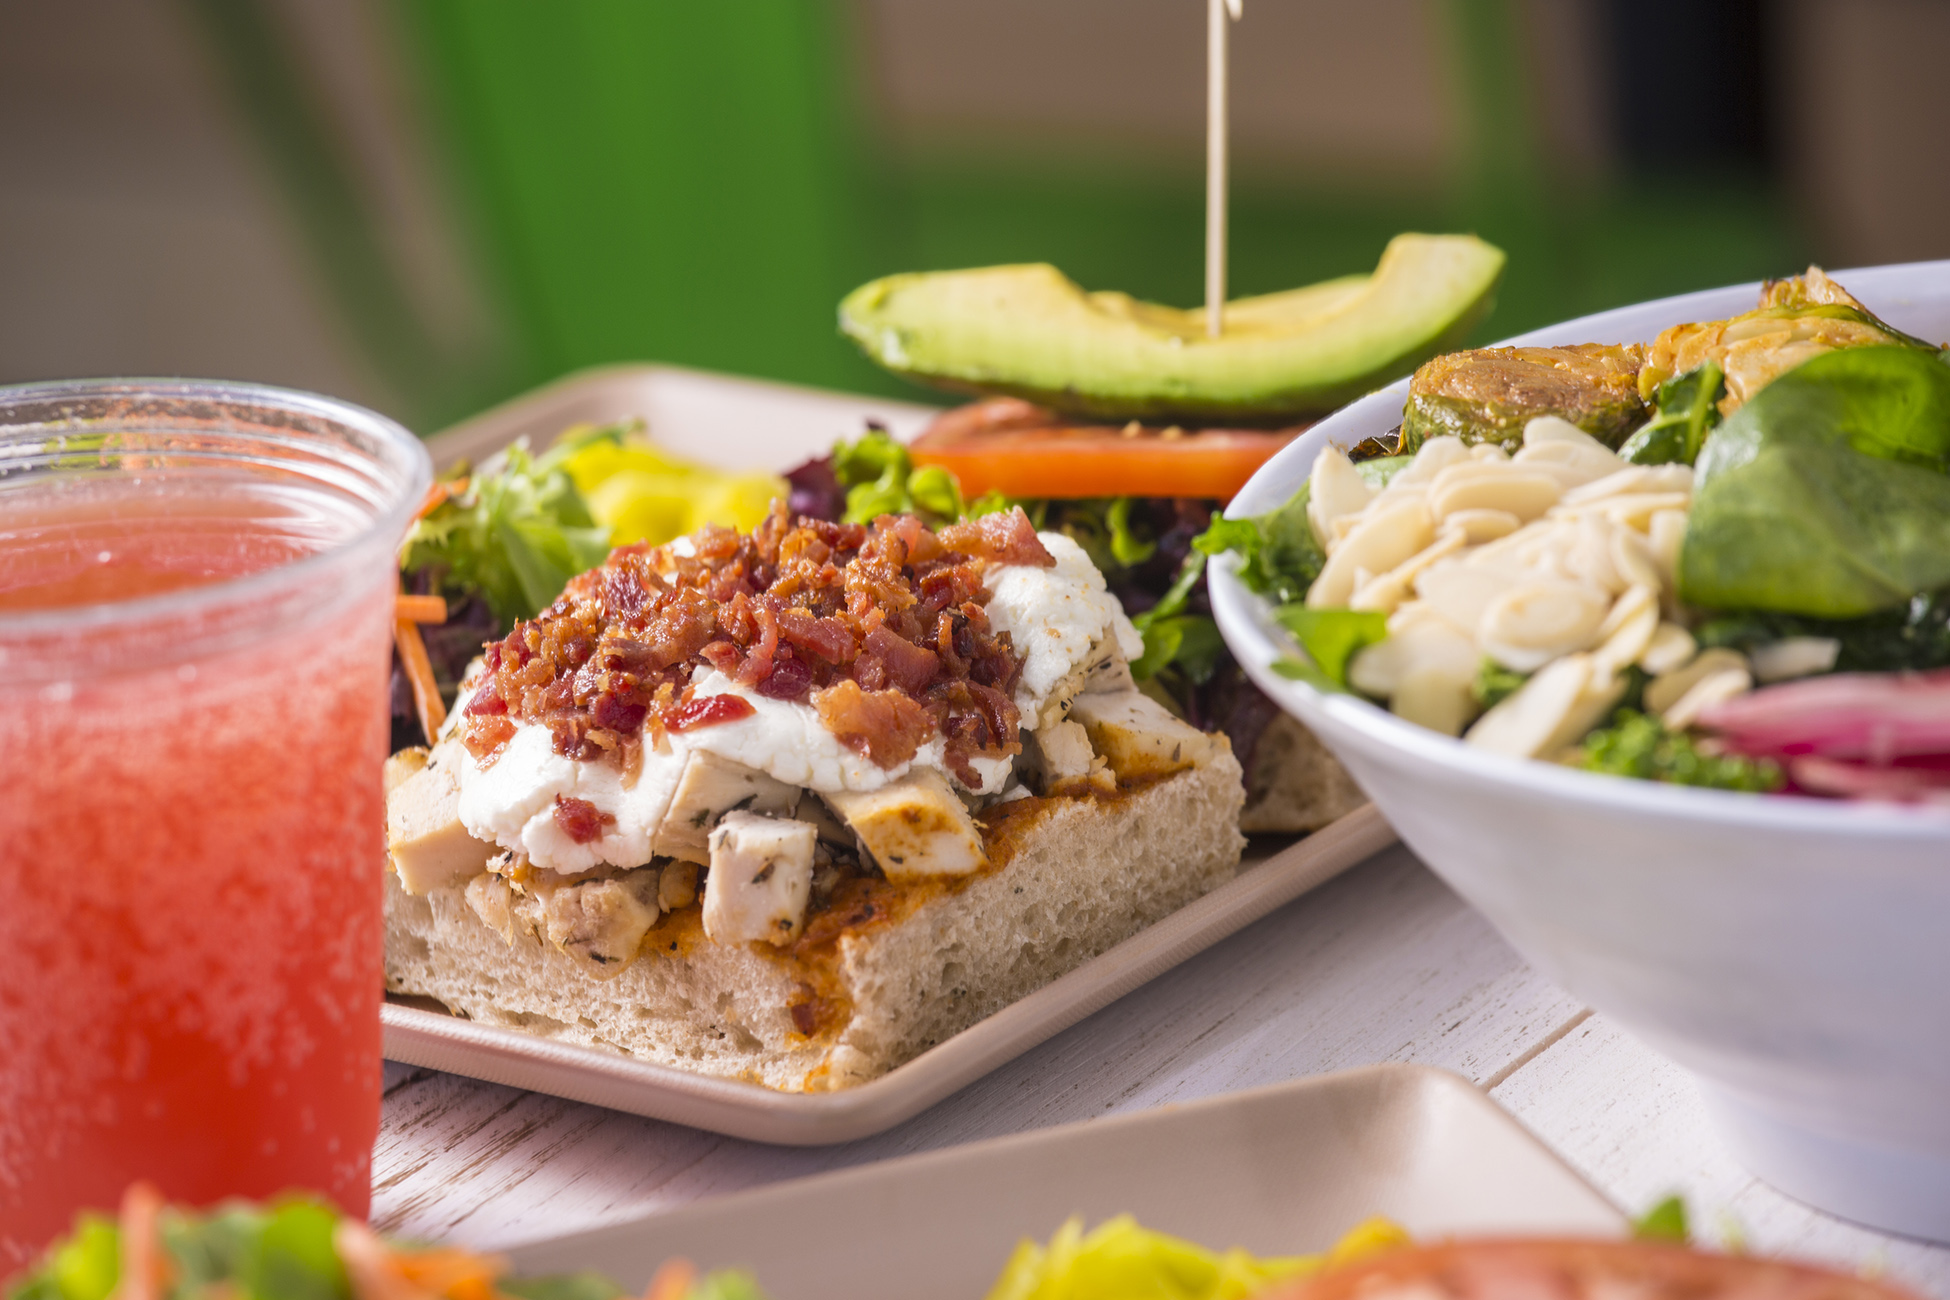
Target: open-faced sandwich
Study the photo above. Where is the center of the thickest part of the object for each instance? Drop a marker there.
(794, 800)
(793, 804)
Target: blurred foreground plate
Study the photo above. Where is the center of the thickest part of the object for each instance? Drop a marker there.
(738, 423)
(1281, 1170)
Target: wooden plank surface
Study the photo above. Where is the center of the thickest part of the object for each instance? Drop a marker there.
(1383, 964)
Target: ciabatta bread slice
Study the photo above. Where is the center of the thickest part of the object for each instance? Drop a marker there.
(872, 983)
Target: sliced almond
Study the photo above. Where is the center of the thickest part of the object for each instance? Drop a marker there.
(1544, 430)
(1631, 558)
(1386, 536)
(1709, 690)
(1589, 557)
(1436, 455)
(1380, 669)
(1555, 708)
(1795, 656)
(1335, 490)
(1635, 510)
(1532, 624)
(1667, 689)
(1666, 533)
(1388, 590)
(1671, 647)
(1462, 591)
(1489, 486)
(1480, 526)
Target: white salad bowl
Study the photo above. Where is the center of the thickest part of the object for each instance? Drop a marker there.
(1794, 954)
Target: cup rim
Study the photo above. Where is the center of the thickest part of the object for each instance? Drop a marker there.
(395, 444)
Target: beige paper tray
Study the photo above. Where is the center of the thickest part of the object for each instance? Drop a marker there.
(745, 1110)
(740, 422)
(722, 420)
(1278, 1170)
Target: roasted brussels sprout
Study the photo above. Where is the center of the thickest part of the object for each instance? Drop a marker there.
(1798, 319)
(1489, 394)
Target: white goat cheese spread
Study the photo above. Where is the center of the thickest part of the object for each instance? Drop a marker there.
(1054, 618)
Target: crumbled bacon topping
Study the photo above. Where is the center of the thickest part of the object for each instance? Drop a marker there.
(581, 820)
(882, 629)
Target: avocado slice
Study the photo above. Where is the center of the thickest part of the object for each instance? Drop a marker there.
(1029, 331)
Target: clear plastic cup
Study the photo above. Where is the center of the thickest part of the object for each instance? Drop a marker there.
(196, 595)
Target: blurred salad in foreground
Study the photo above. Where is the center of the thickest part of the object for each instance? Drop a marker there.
(1731, 573)
(297, 1248)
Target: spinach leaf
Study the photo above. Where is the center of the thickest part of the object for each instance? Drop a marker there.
(1331, 637)
(1912, 638)
(1687, 410)
(1826, 494)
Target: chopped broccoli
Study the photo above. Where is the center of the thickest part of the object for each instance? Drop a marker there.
(1639, 745)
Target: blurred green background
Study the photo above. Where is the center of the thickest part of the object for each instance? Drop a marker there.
(430, 205)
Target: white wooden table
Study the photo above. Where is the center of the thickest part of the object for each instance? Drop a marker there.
(1383, 964)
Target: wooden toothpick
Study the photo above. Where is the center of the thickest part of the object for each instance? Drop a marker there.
(1217, 16)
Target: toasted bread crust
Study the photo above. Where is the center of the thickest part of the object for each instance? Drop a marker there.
(1074, 877)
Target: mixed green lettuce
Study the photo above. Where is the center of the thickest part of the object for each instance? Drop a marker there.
(514, 534)
(1181, 642)
(880, 478)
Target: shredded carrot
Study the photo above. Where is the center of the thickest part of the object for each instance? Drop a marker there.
(672, 1281)
(145, 1265)
(420, 609)
(419, 675)
(453, 1274)
(371, 1266)
(440, 490)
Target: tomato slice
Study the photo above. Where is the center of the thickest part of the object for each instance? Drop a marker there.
(1009, 446)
